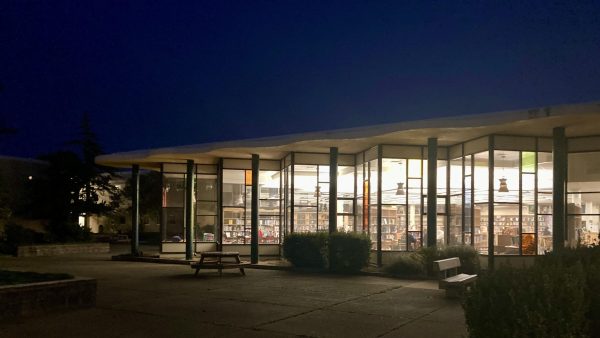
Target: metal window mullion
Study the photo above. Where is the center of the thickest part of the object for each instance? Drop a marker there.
(491, 164)
(520, 203)
(462, 183)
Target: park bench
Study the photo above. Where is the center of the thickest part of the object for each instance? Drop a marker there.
(219, 260)
(454, 283)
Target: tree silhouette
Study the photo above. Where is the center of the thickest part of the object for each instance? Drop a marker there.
(74, 186)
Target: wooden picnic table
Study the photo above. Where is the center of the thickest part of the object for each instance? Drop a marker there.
(215, 261)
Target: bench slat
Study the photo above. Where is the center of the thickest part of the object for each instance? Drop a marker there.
(459, 279)
(447, 264)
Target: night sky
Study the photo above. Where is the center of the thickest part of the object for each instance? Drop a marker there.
(164, 73)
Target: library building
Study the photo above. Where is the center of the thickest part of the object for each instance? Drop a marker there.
(510, 184)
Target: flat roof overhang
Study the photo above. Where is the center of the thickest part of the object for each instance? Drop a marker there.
(577, 119)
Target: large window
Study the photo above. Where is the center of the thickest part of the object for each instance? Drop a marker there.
(173, 206)
(206, 206)
(481, 199)
(583, 199)
(269, 211)
(345, 198)
(237, 197)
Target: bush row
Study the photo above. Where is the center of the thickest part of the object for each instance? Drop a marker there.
(559, 296)
(419, 264)
(340, 251)
(15, 235)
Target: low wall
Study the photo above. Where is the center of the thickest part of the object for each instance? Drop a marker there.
(25, 300)
(61, 249)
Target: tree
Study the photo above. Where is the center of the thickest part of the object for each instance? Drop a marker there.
(74, 186)
(98, 195)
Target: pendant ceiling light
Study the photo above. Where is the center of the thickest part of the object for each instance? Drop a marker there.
(400, 189)
(503, 186)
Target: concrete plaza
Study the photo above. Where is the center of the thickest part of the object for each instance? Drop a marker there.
(161, 300)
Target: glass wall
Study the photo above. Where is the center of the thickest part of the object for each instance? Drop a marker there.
(507, 215)
(544, 201)
(307, 195)
(402, 198)
(206, 203)
(480, 201)
(361, 217)
(269, 207)
(173, 207)
(393, 205)
(455, 208)
(345, 198)
(583, 199)
(237, 196)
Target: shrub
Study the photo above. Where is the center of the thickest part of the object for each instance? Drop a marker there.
(59, 231)
(307, 250)
(410, 266)
(15, 235)
(559, 296)
(469, 257)
(349, 252)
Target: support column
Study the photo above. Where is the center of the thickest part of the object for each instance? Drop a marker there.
(163, 213)
(189, 210)
(491, 164)
(559, 167)
(333, 172)
(379, 218)
(135, 210)
(432, 151)
(254, 214)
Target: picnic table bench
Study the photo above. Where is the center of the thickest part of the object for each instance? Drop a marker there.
(215, 261)
(454, 283)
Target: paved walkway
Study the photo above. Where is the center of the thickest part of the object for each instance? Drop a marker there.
(160, 300)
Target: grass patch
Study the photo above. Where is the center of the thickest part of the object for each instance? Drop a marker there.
(19, 277)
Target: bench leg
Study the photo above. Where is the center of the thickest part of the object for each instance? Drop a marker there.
(199, 264)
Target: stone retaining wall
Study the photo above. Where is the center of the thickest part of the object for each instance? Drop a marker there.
(25, 300)
(61, 249)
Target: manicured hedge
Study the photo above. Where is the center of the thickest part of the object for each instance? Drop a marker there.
(349, 252)
(559, 296)
(420, 262)
(408, 266)
(306, 250)
(341, 252)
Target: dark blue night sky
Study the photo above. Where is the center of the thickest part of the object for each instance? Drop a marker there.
(163, 73)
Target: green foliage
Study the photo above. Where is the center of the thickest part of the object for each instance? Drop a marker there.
(63, 232)
(307, 250)
(420, 263)
(349, 252)
(559, 296)
(15, 235)
(409, 266)
(469, 257)
(343, 252)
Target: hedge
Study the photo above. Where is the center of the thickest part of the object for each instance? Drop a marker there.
(341, 252)
(559, 296)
